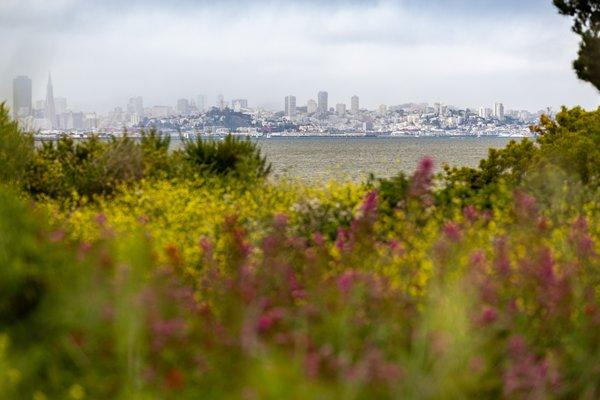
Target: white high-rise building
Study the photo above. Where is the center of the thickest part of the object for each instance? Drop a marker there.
(481, 112)
(290, 106)
(354, 105)
(499, 111)
(340, 109)
(221, 102)
(311, 106)
(484, 112)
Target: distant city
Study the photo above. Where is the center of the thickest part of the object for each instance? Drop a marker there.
(188, 118)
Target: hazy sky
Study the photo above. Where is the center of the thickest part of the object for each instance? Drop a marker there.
(460, 52)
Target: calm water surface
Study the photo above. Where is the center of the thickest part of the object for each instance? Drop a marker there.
(317, 159)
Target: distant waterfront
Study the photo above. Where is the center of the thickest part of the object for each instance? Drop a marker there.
(315, 158)
(353, 158)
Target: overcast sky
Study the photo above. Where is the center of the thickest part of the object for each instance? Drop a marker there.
(459, 52)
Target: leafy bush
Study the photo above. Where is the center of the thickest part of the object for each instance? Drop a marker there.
(94, 167)
(476, 282)
(567, 146)
(232, 156)
(88, 168)
(469, 305)
(16, 149)
(157, 158)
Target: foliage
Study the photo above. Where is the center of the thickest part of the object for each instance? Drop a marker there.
(572, 142)
(567, 147)
(16, 149)
(91, 168)
(231, 156)
(480, 282)
(586, 23)
(87, 168)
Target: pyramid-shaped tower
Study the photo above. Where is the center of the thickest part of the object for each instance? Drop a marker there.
(50, 111)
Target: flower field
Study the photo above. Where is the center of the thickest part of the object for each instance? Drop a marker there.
(175, 279)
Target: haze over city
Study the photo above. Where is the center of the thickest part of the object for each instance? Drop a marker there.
(466, 53)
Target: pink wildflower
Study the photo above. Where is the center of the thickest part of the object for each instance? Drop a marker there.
(581, 238)
(346, 281)
(422, 178)
(526, 375)
(280, 221)
(525, 205)
(341, 241)
(100, 219)
(502, 262)
(470, 213)
(488, 316)
(319, 239)
(206, 245)
(312, 363)
(452, 231)
(369, 204)
(57, 236)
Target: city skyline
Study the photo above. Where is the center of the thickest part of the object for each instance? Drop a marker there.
(22, 97)
(188, 117)
(388, 51)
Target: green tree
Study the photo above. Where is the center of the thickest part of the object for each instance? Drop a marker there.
(16, 149)
(586, 15)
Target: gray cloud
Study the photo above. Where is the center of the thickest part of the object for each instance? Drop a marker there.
(455, 51)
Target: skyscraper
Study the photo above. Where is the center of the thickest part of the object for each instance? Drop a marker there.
(481, 112)
(201, 102)
(50, 111)
(21, 96)
(354, 105)
(136, 106)
(499, 111)
(311, 106)
(322, 102)
(340, 109)
(183, 106)
(221, 102)
(290, 106)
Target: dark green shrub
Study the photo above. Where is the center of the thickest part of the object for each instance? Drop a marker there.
(157, 159)
(16, 149)
(230, 157)
(89, 168)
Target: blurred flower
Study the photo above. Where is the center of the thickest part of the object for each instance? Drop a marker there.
(452, 231)
(525, 205)
(422, 178)
(470, 213)
(57, 235)
(488, 316)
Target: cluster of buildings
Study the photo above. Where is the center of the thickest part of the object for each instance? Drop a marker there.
(50, 114)
(193, 117)
(411, 119)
